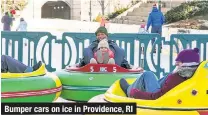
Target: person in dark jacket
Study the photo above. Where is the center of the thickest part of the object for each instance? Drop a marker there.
(7, 21)
(119, 53)
(149, 88)
(11, 65)
(156, 19)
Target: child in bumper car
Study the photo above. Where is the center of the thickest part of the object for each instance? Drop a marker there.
(103, 55)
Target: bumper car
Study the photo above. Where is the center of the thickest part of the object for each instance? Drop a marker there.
(81, 84)
(188, 98)
(36, 86)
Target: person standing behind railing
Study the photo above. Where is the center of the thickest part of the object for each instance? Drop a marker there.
(22, 25)
(142, 29)
(156, 19)
(7, 21)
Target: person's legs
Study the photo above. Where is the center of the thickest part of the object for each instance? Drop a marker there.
(105, 57)
(146, 82)
(153, 41)
(87, 54)
(138, 84)
(4, 68)
(153, 30)
(11, 65)
(151, 82)
(99, 57)
(162, 80)
(160, 32)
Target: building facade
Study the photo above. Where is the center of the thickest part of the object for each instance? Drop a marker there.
(84, 10)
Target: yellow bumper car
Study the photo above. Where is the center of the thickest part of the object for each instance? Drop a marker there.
(188, 98)
(36, 86)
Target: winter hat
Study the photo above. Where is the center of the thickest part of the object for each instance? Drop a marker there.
(103, 43)
(189, 56)
(21, 19)
(101, 30)
(142, 26)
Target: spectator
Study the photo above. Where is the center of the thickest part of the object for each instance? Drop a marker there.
(22, 25)
(156, 19)
(7, 21)
(142, 29)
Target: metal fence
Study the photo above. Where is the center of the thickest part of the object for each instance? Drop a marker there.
(31, 47)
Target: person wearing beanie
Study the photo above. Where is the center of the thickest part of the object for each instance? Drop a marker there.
(119, 53)
(101, 33)
(148, 87)
(189, 57)
(142, 29)
(104, 55)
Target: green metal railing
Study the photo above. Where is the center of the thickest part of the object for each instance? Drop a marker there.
(137, 47)
(32, 37)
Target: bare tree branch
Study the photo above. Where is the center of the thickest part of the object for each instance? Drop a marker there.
(106, 5)
(102, 4)
(99, 2)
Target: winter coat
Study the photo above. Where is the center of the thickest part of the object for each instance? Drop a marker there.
(22, 26)
(7, 21)
(155, 18)
(119, 54)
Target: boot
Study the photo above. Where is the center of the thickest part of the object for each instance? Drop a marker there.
(93, 61)
(124, 85)
(111, 61)
(37, 66)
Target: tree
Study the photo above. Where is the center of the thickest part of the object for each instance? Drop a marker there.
(102, 4)
(12, 4)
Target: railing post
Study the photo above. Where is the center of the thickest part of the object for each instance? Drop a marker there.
(142, 55)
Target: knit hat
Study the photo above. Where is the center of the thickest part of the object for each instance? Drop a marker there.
(103, 43)
(142, 26)
(21, 19)
(189, 56)
(101, 30)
